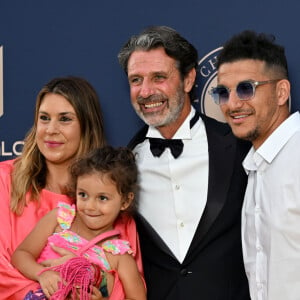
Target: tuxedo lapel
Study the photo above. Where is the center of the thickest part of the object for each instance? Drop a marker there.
(139, 137)
(146, 230)
(221, 148)
(144, 227)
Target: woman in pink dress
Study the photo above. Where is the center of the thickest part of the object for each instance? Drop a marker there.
(104, 184)
(67, 123)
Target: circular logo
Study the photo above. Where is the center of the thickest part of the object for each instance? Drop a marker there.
(207, 78)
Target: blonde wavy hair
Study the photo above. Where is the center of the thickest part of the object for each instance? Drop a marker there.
(30, 170)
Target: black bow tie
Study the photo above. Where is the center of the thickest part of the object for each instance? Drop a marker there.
(158, 146)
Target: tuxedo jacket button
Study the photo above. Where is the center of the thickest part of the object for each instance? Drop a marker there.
(183, 272)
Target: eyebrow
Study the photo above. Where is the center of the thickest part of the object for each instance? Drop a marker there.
(61, 113)
(154, 73)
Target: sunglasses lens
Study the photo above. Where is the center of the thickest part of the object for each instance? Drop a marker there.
(220, 94)
(245, 90)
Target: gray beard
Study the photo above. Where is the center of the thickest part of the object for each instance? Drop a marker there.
(173, 114)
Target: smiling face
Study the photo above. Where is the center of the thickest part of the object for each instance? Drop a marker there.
(98, 203)
(158, 93)
(58, 129)
(254, 119)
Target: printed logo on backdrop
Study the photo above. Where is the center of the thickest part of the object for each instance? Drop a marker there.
(1, 81)
(207, 78)
(15, 149)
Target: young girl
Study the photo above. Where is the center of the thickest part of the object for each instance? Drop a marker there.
(104, 182)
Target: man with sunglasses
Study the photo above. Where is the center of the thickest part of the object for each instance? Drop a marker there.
(191, 193)
(253, 93)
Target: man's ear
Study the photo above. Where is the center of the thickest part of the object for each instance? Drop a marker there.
(189, 80)
(283, 90)
(127, 201)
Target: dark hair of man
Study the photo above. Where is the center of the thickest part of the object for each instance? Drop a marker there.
(258, 46)
(155, 37)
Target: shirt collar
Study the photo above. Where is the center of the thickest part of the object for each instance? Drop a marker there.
(273, 144)
(276, 141)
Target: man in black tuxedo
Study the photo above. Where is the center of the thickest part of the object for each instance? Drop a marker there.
(191, 192)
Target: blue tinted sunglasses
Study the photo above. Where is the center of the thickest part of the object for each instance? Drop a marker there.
(245, 90)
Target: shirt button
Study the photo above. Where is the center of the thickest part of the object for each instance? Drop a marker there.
(259, 285)
(180, 223)
(257, 209)
(177, 186)
(258, 248)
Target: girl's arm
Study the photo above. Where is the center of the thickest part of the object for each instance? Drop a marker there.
(131, 278)
(25, 256)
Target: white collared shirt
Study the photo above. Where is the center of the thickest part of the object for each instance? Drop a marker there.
(173, 192)
(271, 215)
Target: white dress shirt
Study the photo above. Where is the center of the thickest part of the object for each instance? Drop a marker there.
(271, 215)
(173, 192)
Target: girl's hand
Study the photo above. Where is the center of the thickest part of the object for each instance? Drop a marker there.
(96, 294)
(65, 255)
(49, 282)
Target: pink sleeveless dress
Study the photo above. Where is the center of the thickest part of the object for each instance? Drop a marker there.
(71, 241)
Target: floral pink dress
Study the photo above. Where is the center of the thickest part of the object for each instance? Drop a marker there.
(71, 241)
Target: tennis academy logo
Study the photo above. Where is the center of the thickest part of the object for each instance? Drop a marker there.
(207, 78)
(1, 81)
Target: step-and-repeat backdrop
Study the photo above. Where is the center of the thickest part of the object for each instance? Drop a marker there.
(40, 40)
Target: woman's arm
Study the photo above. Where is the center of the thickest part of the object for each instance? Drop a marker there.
(25, 256)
